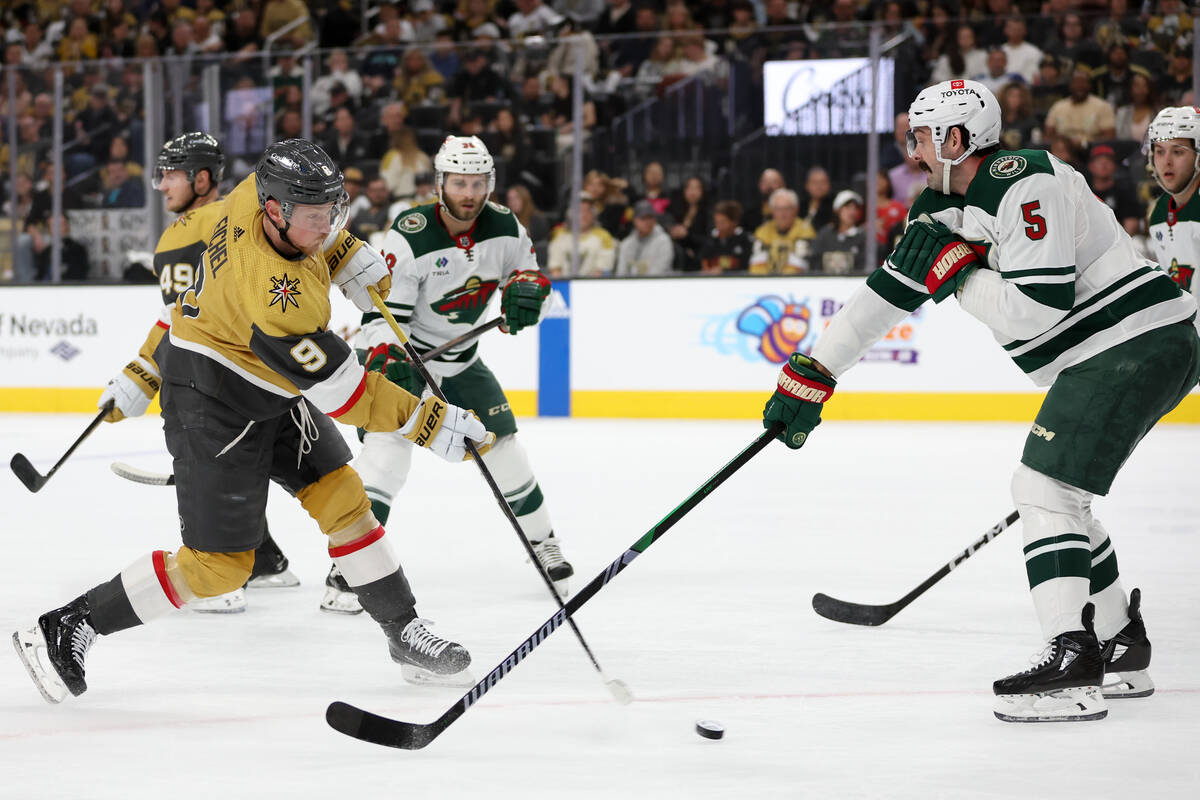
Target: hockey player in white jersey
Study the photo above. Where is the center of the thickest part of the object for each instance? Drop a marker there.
(448, 259)
(1029, 251)
(1173, 147)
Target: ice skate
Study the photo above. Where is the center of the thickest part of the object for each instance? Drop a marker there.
(427, 659)
(1127, 655)
(271, 568)
(339, 597)
(1062, 686)
(54, 650)
(558, 568)
(230, 603)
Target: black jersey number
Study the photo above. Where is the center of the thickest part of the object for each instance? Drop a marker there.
(189, 301)
(1035, 224)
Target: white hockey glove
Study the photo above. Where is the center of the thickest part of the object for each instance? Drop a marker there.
(365, 268)
(131, 390)
(444, 429)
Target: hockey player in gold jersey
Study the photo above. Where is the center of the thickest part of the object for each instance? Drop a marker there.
(249, 372)
(188, 172)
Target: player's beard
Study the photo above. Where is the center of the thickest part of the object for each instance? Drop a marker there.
(459, 214)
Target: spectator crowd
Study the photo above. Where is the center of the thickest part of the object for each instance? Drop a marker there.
(1080, 78)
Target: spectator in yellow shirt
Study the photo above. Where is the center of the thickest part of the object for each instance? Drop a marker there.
(781, 243)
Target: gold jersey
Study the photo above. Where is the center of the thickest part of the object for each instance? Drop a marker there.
(175, 260)
(251, 330)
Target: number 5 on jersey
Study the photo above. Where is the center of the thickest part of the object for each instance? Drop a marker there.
(1035, 224)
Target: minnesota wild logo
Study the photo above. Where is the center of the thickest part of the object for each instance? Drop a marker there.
(1007, 166)
(1181, 274)
(284, 291)
(466, 303)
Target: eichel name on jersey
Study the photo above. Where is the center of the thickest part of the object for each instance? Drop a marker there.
(175, 260)
(1073, 284)
(442, 285)
(1175, 240)
(251, 331)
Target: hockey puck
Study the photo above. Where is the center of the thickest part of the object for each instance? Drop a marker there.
(710, 729)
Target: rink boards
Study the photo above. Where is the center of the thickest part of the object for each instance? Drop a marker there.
(700, 348)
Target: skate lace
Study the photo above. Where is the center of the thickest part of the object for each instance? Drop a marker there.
(81, 641)
(548, 553)
(422, 640)
(1041, 658)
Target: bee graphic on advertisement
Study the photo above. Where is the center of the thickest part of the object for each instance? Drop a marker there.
(779, 325)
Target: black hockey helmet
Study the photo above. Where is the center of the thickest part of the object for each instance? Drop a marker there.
(296, 171)
(191, 152)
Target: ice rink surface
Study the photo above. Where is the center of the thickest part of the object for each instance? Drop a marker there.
(714, 621)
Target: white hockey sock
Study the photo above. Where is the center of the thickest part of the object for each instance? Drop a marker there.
(1112, 606)
(383, 465)
(367, 559)
(1058, 551)
(510, 467)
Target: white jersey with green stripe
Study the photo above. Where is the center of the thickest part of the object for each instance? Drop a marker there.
(1060, 280)
(442, 285)
(1175, 240)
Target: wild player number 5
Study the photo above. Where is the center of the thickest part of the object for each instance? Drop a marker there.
(1036, 227)
(309, 355)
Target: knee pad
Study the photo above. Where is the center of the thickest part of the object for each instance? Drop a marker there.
(211, 574)
(383, 464)
(339, 505)
(1044, 500)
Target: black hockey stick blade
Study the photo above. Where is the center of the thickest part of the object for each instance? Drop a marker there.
(375, 729)
(26, 473)
(368, 727)
(862, 614)
(33, 479)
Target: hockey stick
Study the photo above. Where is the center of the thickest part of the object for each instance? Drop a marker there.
(373, 728)
(618, 689)
(139, 475)
(33, 479)
(859, 614)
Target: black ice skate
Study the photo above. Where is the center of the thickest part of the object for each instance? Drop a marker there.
(425, 658)
(1127, 655)
(558, 568)
(1062, 686)
(339, 597)
(54, 650)
(271, 568)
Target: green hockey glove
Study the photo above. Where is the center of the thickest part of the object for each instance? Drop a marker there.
(390, 360)
(523, 299)
(799, 396)
(932, 254)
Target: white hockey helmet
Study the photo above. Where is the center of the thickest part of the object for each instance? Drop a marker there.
(944, 105)
(463, 155)
(1174, 122)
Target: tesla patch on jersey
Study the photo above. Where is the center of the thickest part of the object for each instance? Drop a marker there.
(1007, 166)
(284, 291)
(414, 223)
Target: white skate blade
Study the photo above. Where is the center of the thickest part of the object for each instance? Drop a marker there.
(423, 677)
(1077, 704)
(232, 603)
(28, 645)
(1128, 684)
(280, 580)
(563, 588)
(336, 601)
